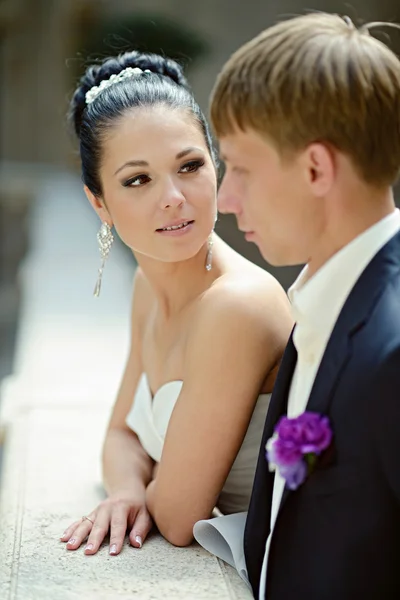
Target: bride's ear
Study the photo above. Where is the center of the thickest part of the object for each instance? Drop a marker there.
(99, 206)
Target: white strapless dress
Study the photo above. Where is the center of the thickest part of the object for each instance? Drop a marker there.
(223, 536)
(149, 418)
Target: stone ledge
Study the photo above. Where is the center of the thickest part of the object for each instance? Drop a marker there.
(52, 476)
(19, 394)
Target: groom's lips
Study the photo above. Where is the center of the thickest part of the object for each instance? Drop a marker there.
(248, 234)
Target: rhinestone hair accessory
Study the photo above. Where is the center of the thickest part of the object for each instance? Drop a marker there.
(115, 78)
(105, 239)
(348, 22)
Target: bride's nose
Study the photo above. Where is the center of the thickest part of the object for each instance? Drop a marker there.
(172, 196)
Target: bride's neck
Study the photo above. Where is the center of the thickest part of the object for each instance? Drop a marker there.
(177, 284)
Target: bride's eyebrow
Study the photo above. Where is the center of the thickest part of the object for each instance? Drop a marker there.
(187, 151)
(132, 163)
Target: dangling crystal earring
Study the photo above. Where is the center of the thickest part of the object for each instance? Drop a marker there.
(105, 239)
(209, 252)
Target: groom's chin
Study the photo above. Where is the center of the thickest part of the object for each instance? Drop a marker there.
(278, 259)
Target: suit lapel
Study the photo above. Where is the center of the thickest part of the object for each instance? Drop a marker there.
(279, 400)
(258, 519)
(352, 318)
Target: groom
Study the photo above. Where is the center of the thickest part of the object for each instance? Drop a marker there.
(308, 117)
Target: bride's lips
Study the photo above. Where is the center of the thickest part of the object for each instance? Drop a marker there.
(176, 228)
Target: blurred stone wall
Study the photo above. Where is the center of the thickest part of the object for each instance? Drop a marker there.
(35, 44)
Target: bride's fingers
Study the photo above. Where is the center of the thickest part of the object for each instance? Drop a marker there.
(140, 529)
(69, 531)
(98, 532)
(119, 523)
(79, 534)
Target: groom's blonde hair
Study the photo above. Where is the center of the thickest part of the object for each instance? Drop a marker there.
(316, 78)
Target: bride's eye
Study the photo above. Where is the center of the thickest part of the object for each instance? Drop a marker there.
(192, 166)
(137, 181)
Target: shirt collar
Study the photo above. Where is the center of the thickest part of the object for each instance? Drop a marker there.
(318, 301)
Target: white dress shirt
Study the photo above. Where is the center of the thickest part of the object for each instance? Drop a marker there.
(316, 305)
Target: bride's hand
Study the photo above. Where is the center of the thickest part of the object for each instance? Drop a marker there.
(117, 514)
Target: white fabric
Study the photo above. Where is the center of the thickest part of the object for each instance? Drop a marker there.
(316, 304)
(223, 536)
(149, 418)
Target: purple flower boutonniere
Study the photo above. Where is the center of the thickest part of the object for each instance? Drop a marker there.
(295, 446)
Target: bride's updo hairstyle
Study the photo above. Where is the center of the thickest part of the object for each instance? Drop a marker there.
(107, 90)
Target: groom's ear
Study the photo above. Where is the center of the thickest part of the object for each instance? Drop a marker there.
(319, 163)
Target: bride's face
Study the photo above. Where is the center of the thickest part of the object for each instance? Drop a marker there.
(157, 173)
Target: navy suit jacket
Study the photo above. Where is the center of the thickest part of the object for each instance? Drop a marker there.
(337, 537)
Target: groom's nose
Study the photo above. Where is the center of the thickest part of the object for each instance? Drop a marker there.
(228, 197)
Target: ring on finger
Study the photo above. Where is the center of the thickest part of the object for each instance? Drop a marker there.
(85, 518)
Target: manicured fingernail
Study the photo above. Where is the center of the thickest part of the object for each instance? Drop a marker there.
(89, 547)
(138, 540)
(71, 541)
(113, 549)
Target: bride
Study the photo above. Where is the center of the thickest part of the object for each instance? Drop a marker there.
(208, 327)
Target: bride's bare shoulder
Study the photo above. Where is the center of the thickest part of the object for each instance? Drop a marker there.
(251, 289)
(248, 303)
